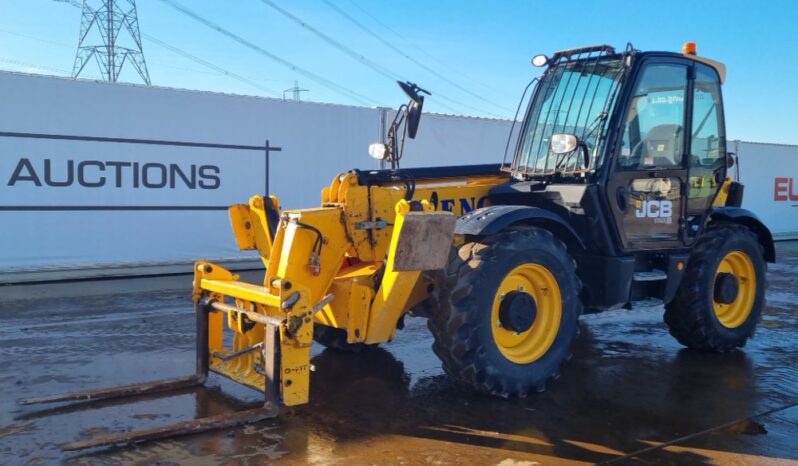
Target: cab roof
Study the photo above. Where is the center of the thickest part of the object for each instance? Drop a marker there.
(588, 51)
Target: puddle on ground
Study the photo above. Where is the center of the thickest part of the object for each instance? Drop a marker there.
(628, 385)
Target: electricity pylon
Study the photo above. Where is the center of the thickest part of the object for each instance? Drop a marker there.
(109, 34)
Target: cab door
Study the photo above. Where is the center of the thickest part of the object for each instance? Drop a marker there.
(707, 160)
(647, 183)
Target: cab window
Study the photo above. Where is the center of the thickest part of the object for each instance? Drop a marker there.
(653, 132)
(707, 141)
(707, 146)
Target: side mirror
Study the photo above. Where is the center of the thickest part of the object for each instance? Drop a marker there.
(414, 116)
(563, 143)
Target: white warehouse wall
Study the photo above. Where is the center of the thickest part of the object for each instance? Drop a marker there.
(770, 175)
(317, 141)
(109, 223)
(444, 140)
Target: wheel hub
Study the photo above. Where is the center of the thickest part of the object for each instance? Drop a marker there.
(726, 288)
(526, 313)
(518, 311)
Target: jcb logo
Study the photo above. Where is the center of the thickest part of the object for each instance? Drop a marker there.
(654, 209)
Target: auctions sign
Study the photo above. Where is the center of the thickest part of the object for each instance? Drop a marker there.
(118, 174)
(40, 174)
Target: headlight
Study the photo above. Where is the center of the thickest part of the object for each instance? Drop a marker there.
(540, 60)
(378, 150)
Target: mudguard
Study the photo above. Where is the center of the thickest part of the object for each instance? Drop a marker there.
(493, 219)
(749, 219)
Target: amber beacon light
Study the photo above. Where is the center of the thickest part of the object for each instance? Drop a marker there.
(689, 48)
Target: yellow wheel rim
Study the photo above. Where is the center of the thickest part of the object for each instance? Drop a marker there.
(530, 345)
(733, 314)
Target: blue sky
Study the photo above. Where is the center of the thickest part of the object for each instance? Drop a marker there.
(482, 49)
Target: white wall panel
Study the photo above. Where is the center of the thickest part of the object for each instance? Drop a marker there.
(444, 140)
(451, 140)
(770, 175)
(317, 141)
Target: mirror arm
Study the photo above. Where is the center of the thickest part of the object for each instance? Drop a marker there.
(401, 148)
(586, 153)
(405, 115)
(391, 138)
(581, 145)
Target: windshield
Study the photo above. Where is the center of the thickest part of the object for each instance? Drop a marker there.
(573, 97)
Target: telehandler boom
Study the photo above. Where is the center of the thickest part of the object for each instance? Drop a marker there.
(617, 191)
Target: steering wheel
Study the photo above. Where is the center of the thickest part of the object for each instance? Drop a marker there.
(632, 160)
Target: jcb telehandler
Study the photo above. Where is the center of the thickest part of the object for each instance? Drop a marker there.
(617, 191)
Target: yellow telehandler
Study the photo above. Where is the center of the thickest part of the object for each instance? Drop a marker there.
(617, 191)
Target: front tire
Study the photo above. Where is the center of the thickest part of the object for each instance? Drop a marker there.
(722, 294)
(507, 312)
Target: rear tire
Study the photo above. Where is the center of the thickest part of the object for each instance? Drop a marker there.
(335, 339)
(487, 354)
(698, 316)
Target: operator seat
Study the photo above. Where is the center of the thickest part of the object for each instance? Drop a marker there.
(663, 146)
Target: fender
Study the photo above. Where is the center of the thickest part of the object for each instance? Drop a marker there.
(748, 219)
(493, 219)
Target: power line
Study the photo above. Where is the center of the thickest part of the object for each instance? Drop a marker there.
(152, 39)
(178, 51)
(424, 52)
(392, 75)
(293, 67)
(44, 41)
(343, 48)
(309, 74)
(208, 64)
(401, 52)
(74, 3)
(31, 65)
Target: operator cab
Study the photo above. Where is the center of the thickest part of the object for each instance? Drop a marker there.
(629, 150)
(639, 136)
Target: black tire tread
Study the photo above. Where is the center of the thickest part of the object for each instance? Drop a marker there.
(454, 331)
(687, 320)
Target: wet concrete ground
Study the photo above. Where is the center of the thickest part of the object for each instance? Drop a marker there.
(631, 394)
